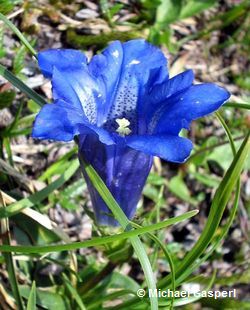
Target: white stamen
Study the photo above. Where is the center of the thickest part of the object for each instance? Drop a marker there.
(123, 124)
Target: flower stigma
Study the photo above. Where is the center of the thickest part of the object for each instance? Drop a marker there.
(123, 129)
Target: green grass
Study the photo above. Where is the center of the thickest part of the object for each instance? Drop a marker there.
(111, 265)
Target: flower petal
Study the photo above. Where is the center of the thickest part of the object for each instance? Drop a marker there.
(171, 148)
(125, 69)
(71, 80)
(57, 121)
(142, 57)
(106, 67)
(78, 88)
(61, 59)
(179, 110)
(155, 99)
(103, 135)
(60, 121)
(171, 87)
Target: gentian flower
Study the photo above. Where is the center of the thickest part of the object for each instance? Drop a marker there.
(124, 109)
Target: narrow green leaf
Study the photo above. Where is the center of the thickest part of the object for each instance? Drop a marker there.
(2, 48)
(219, 203)
(10, 265)
(237, 105)
(169, 259)
(33, 106)
(21, 86)
(164, 283)
(25, 42)
(74, 293)
(40, 195)
(6, 143)
(115, 9)
(7, 131)
(32, 298)
(18, 62)
(223, 231)
(228, 133)
(216, 242)
(99, 240)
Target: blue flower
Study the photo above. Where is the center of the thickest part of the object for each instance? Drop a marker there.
(125, 109)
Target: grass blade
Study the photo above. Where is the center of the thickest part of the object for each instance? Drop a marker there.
(5, 233)
(25, 42)
(216, 243)
(220, 200)
(21, 86)
(74, 293)
(40, 195)
(237, 105)
(99, 240)
(169, 259)
(32, 298)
